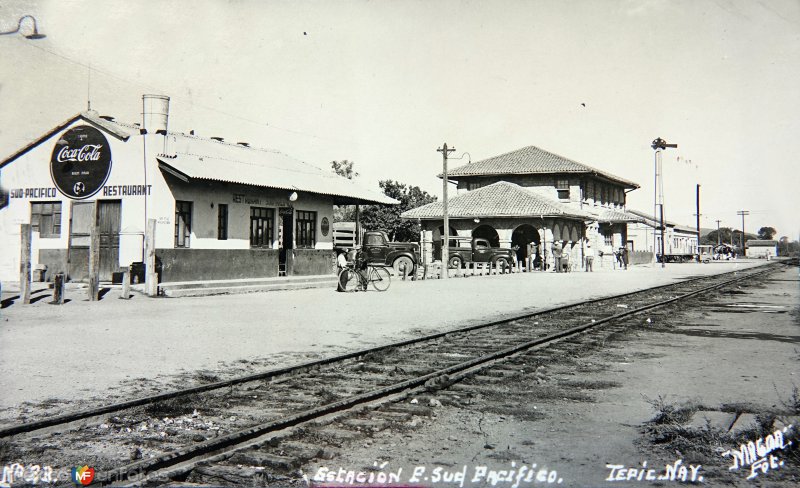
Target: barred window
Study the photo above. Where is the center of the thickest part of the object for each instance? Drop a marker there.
(183, 223)
(262, 225)
(474, 185)
(306, 233)
(562, 186)
(46, 218)
(222, 221)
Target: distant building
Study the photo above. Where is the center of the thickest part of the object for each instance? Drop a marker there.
(222, 210)
(761, 248)
(679, 240)
(532, 195)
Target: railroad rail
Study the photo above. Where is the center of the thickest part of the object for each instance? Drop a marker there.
(289, 397)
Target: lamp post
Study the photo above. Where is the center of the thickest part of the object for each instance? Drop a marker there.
(34, 35)
(446, 228)
(659, 145)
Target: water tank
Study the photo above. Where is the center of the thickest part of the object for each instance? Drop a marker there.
(155, 113)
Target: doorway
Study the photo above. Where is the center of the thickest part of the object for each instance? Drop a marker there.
(287, 242)
(108, 216)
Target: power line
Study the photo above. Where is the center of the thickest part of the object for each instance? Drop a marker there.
(186, 100)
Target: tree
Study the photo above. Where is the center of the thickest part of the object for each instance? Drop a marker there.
(766, 233)
(344, 168)
(344, 213)
(387, 217)
(724, 236)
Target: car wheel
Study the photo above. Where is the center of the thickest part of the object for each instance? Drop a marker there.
(403, 266)
(454, 262)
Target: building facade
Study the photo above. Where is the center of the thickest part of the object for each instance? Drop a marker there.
(221, 210)
(680, 241)
(534, 196)
(761, 248)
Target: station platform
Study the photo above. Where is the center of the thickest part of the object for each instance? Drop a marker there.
(90, 352)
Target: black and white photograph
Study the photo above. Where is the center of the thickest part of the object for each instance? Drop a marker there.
(399, 243)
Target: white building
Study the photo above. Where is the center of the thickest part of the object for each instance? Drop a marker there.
(222, 210)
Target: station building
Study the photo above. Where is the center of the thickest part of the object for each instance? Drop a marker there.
(532, 195)
(761, 248)
(222, 210)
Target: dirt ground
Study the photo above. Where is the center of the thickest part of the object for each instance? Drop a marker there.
(86, 353)
(587, 417)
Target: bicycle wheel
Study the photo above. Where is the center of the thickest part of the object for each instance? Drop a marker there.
(348, 279)
(380, 278)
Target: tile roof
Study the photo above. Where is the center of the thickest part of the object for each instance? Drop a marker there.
(613, 215)
(198, 158)
(530, 160)
(501, 199)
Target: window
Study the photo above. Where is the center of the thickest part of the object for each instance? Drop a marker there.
(374, 240)
(306, 235)
(183, 223)
(608, 239)
(262, 224)
(474, 185)
(222, 222)
(46, 218)
(562, 186)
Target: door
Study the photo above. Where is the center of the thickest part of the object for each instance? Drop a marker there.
(287, 239)
(107, 213)
(377, 248)
(108, 219)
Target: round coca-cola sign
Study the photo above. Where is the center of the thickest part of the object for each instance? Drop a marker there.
(81, 162)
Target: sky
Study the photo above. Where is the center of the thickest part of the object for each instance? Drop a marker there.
(386, 83)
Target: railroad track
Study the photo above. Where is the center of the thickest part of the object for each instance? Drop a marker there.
(177, 434)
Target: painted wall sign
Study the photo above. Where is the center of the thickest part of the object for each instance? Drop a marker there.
(285, 211)
(325, 226)
(81, 162)
(33, 193)
(126, 190)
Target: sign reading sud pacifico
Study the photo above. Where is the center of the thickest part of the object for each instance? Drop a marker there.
(81, 162)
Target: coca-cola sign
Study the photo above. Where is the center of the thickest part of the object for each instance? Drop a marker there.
(81, 162)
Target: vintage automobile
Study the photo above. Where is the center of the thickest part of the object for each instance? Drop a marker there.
(402, 256)
(478, 250)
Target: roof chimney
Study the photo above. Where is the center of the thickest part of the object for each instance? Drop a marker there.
(155, 115)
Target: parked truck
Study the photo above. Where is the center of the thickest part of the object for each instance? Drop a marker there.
(402, 256)
(478, 250)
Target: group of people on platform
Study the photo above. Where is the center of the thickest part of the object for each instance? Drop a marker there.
(534, 261)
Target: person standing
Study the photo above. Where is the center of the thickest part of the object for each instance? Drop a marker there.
(557, 256)
(589, 254)
(625, 257)
(341, 263)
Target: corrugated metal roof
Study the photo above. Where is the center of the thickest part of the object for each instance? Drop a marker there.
(501, 199)
(648, 220)
(530, 160)
(760, 243)
(89, 116)
(204, 159)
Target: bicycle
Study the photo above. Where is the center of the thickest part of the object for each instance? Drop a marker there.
(378, 276)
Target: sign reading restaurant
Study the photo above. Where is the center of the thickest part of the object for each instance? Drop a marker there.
(81, 162)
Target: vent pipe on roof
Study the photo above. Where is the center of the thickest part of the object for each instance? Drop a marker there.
(217, 138)
(107, 117)
(245, 144)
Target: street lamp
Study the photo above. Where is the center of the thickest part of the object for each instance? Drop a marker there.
(34, 35)
(659, 145)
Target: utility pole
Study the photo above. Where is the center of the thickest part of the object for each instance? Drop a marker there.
(743, 213)
(659, 145)
(446, 228)
(718, 221)
(697, 200)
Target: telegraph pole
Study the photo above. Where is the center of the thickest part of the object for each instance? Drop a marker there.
(446, 244)
(697, 200)
(718, 221)
(659, 145)
(743, 213)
